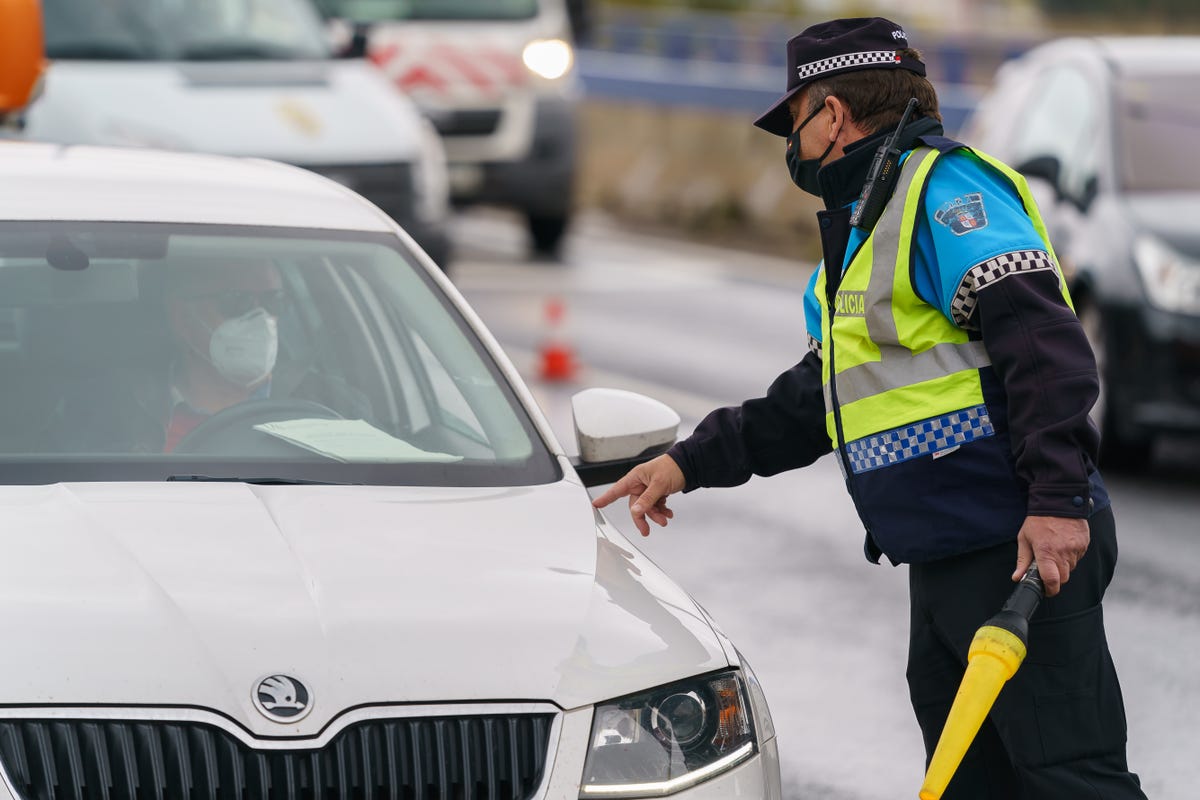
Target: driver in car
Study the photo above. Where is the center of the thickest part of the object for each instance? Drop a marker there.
(225, 320)
(221, 318)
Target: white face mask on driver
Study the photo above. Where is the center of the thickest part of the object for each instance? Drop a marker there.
(243, 349)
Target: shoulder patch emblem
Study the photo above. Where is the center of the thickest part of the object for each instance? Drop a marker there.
(963, 214)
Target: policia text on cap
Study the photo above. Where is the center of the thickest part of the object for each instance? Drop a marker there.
(947, 371)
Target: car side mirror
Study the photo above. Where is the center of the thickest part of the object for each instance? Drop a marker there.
(22, 52)
(347, 39)
(357, 47)
(1048, 168)
(1091, 188)
(617, 430)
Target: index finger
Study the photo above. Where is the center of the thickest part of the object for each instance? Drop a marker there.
(622, 488)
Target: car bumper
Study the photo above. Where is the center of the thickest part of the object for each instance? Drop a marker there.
(540, 182)
(1153, 369)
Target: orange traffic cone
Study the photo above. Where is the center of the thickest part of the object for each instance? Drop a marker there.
(558, 362)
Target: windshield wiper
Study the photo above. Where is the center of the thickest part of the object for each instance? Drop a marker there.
(256, 481)
(234, 51)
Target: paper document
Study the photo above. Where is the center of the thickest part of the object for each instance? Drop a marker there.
(349, 440)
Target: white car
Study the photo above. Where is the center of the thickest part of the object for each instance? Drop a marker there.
(243, 78)
(336, 552)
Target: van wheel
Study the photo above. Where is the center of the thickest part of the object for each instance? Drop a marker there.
(1119, 451)
(547, 232)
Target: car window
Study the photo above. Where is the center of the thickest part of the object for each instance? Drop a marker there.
(134, 352)
(182, 30)
(1158, 125)
(377, 10)
(1062, 121)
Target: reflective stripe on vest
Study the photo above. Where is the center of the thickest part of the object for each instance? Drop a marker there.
(898, 359)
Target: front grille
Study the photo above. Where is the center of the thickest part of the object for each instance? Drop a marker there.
(473, 122)
(460, 758)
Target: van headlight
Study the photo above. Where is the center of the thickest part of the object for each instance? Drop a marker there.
(662, 741)
(1172, 279)
(549, 58)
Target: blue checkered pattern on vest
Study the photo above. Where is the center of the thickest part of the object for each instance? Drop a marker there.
(928, 436)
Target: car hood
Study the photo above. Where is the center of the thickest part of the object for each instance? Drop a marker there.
(1171, 217)
(308, 113)
(190, 594)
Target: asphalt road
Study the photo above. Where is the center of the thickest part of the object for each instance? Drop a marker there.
(778, 561)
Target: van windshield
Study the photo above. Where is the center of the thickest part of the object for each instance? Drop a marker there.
(379, 10)
(182, 30)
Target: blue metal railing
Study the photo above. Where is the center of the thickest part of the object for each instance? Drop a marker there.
(737, 64)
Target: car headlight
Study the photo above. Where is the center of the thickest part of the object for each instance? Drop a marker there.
(668, 739)
(1172, 280)
(764, 725)
(550, 58)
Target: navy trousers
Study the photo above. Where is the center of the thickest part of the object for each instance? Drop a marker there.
(1057, 730)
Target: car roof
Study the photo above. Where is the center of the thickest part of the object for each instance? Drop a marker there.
(56, 182)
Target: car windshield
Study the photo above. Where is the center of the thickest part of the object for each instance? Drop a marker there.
(188, 30)
(1158, 127)
(154, 352)
(377, 10)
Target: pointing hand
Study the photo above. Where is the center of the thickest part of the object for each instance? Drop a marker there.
(647, 486)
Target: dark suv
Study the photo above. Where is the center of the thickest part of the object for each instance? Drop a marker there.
(1108, 131)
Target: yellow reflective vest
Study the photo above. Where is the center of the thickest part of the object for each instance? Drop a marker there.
(904, 386)
(890, 358)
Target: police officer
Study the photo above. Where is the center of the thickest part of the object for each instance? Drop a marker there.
(947, 371)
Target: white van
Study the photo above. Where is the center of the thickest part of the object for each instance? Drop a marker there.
(497, 79)
(239, 77)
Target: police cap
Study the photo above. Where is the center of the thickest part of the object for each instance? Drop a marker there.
(833, 48)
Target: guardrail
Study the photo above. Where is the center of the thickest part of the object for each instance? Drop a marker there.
(741, 88)
(736, 63)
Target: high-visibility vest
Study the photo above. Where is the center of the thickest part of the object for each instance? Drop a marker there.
(890, 359)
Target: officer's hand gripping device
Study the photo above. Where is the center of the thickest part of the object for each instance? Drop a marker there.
(995, 654)
(881, 178)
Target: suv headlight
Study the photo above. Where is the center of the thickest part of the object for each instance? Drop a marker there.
(668, 739)
(1172, 280)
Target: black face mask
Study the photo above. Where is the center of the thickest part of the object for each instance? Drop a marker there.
(804, 171)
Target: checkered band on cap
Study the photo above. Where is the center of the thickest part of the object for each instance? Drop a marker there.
(921, 438)
(815, 68)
